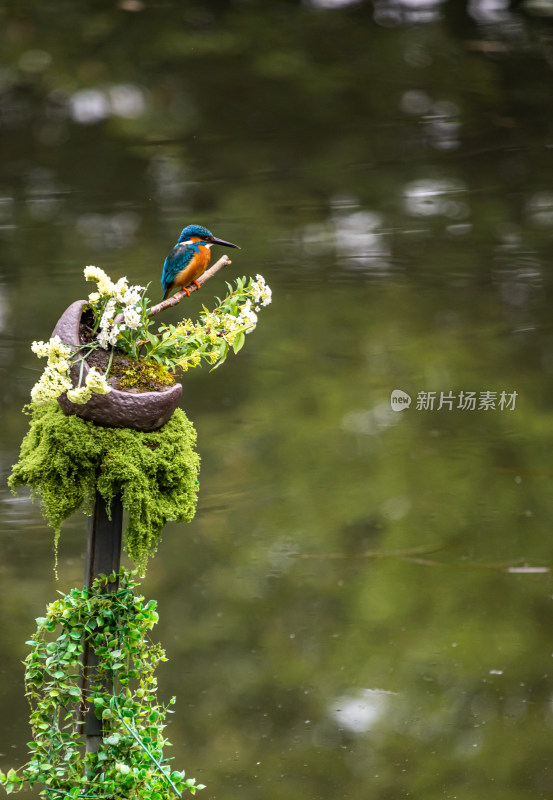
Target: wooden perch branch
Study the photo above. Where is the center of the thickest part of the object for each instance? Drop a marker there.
(224, 261)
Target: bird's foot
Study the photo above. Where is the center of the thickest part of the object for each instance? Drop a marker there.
(197, 285)
(184, 289)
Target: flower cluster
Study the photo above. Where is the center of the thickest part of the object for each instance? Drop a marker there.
(55, 378)
(261, 292)
(227, 326)
(120, 305)
(105, 285)
(122, 322)
(94, 382)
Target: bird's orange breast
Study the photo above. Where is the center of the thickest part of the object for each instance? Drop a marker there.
(196, 267)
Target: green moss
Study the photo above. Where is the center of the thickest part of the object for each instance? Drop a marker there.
(132, 373)
(146, 375)
(66, 459)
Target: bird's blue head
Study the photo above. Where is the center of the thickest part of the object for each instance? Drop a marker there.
(195, 230)
(204, 234)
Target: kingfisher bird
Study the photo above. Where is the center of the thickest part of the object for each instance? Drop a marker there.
(189, 258)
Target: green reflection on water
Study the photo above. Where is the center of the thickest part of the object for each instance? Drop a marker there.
(393, 186)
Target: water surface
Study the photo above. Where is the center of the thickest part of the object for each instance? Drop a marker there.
(362, 606)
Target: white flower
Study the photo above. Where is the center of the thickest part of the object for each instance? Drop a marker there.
(102, 339)
(55, 378)
(120, 290)
(248, 317)
(109, 314)
(62, 366)
(114, 334)
(57, 349)
(108, 331)
(50, 386)
(105, 284)
(40, 348)
(211, 320)
(94, 274)
(132, 318)
(133, 295)
(97, 382)
(260, 291)
(54, 349)
(80, 395)
(230, 323)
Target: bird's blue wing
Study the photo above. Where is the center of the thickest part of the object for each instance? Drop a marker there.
(176, 261)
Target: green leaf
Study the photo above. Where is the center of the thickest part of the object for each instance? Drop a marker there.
(239, 342)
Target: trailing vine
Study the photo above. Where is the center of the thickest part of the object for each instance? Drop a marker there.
(65, 460)
(130, 762)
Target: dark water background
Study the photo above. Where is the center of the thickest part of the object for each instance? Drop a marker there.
(362, 607)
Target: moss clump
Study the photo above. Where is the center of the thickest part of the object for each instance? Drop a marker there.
(145, 375)
(130, 374)
(66, 459)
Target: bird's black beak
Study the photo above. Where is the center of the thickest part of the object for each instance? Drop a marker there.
(225, 244)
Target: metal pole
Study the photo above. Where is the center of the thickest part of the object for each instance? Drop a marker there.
(103, 556)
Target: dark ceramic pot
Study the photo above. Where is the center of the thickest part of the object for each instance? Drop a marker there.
(141, 411)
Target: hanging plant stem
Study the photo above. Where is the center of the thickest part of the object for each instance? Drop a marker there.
(130, 759)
